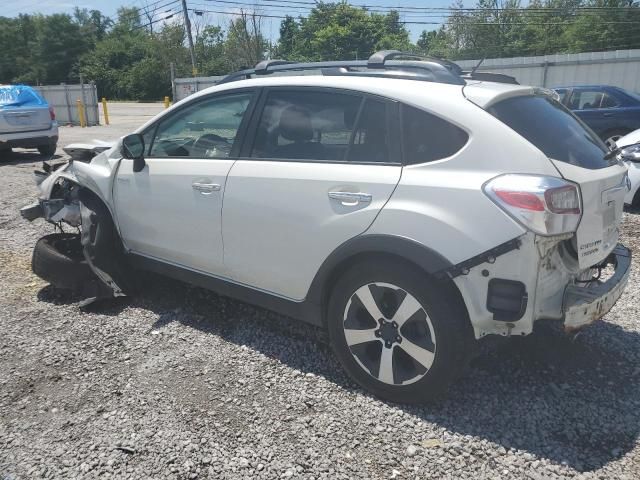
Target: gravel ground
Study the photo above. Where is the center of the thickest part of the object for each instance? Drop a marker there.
(181, 383)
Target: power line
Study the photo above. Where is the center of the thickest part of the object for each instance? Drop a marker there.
(409, 22)
(406, 14)
(456, 9)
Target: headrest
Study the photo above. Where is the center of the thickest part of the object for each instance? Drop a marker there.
(295, 124)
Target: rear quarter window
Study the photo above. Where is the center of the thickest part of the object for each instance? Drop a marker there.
(553, 129)
(427, 137)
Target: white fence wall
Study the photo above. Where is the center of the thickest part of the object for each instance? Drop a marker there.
(63, 99)
(620, 68)
(183, 87)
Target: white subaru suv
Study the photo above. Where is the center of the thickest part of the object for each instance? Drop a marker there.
(406, 206)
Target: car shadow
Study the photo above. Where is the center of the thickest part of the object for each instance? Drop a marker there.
(17, 157)
(108, 306)
(571, 400)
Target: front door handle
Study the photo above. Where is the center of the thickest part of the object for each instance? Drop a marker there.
(350, 199)
(205, 188)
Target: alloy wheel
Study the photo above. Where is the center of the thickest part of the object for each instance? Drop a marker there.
(389, 333)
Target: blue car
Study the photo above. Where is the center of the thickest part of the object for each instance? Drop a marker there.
(611, 112)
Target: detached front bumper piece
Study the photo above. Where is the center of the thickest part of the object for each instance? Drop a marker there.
(584, 305)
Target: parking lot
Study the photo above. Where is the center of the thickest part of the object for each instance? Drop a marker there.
(178, 382)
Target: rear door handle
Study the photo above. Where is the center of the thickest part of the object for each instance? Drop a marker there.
(205, 188)
(350, 198)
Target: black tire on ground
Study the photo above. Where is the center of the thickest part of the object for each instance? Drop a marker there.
(635, 203)
(5, 153)
(452, 332)
(58, 259)
(48, 150)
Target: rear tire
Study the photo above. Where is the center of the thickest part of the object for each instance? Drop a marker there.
(58, 259)
(420, 344)
(47, 150)
(5, 153)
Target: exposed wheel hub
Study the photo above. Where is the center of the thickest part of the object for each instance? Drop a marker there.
(388, 332)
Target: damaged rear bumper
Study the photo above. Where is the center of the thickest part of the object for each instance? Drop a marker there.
(584, 305)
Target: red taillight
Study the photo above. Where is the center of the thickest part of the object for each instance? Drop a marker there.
(52, 113)
(544, 205)
(526, 200)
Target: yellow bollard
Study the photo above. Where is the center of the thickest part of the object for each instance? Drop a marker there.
(166, 102)
(80, 108)
(105, 111)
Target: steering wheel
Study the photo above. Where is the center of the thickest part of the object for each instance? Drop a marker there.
(210, 145)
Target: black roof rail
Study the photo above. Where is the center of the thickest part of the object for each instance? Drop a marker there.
(378, 59)
(262, 67)
(385, 63)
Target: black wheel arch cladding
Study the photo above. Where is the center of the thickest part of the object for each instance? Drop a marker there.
(102, 246)
(409, 250)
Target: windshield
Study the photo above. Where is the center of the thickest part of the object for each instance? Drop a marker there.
(558, 133)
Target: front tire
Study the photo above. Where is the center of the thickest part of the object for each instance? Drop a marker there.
(398, 333)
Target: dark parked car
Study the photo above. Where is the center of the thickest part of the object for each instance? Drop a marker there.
(611, 112)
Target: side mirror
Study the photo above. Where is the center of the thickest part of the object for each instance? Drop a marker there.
(133, 149)
(630, 153)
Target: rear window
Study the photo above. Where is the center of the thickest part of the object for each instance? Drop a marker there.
(552, 128)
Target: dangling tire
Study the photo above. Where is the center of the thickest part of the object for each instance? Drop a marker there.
(398, 333)
(58, 259)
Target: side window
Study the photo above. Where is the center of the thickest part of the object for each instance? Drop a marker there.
(562, 94)
(147, 136)
(371, 135)
(609, 101)
(589, 99)
(206, 129)
(302, 125)
(427, 137)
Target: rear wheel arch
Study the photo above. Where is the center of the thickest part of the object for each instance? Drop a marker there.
(368, 248)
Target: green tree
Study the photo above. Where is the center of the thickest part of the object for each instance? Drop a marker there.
(339, 31)
(245, 45)
(289, 33)
(426, 41)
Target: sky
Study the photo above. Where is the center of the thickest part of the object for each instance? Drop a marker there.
(270, 26)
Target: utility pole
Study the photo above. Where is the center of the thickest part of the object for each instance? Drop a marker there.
(172, 66)
(187, 26)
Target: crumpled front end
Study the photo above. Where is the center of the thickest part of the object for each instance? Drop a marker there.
(58, 200)
(72, 195)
